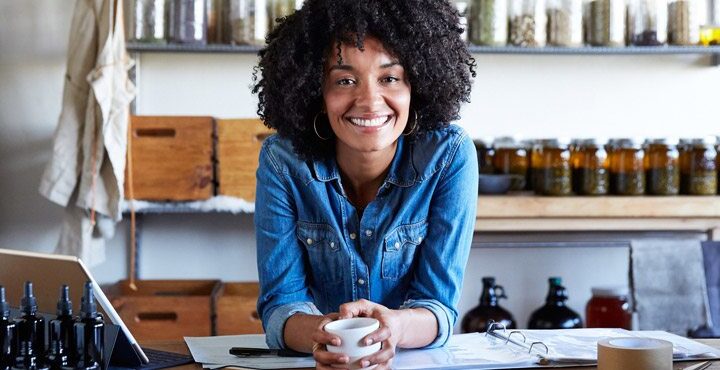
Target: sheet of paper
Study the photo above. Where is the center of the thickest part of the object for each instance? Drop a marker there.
(682, 347)
(214, 351)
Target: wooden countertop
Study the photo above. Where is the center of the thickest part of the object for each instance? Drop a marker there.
(523, 212)
(178, 346)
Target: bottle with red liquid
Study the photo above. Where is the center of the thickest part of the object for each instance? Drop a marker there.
(479, 318)
(609, 308)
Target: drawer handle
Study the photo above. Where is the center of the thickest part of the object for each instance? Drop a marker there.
(155, 132)
(156, 316)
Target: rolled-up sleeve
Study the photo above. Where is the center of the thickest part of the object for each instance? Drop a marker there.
(281, 260)
(438, 280)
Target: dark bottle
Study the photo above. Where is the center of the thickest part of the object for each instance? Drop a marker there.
(8, 335)
(31, 334)
(62, 333)
(479, 318)
(554, 314)
(89, 333)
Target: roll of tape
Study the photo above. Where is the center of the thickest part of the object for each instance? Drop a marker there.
(635, 354)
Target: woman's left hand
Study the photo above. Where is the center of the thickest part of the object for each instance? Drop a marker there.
(388, 334)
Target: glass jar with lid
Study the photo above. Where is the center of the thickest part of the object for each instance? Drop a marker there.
(149, 21)
(527, 21)
(605, 22)
(698, 170)
(510, 157)
(647, 22)
(188, 22)
(662, 167)
(564, 23)
(529, 145)
(484, 155)
(589, 162)
(627, 173)
(684, 21)
(488, 22)
(554, 174)
(278, 9)
(609, 307)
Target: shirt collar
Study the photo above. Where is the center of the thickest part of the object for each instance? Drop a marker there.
(402, 169)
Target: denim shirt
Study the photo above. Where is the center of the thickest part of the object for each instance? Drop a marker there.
(408, 250)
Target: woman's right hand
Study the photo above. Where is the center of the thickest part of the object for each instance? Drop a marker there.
(327, 360)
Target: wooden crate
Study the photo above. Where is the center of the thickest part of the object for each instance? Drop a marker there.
(236, 309)
(171, 158)
(238, 148)
(166, 309)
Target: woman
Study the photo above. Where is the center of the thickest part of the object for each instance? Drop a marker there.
(366, 197)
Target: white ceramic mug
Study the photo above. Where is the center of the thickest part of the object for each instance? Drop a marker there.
(351, 333)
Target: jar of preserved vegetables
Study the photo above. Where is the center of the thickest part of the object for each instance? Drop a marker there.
(605, 22)
(488, 22)
(510, 157)
(564, 23)
(589, 161)
(647, 22)
(554, 175)
(149, 21)
(484, 155)
(529, 145)
(527, 23)
(684, 21)
(188, 22)
(698, 170)
(277, 9)
(627, 173)
(662, 167)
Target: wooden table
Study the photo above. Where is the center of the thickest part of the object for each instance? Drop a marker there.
(179, 346)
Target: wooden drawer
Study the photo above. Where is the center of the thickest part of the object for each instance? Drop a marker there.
(166, 309)
(236, 309)
(171, 158)
(238, 147)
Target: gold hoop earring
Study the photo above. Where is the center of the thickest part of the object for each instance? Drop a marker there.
(414, 125)
(315, 128)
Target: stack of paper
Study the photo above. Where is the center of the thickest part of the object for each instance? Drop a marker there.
(213, 353)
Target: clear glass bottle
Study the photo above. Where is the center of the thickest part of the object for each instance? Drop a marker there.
(555, 314)
(527, 21)
(188, 22)
(609, 308)
(488, 310)
(710, 29)
(662, 167)
(554, 175)
(278, 9)
(627, 173)
(564, 23)
(488, 22)
(509, 157)
(590, 173)
(647, 22)
(684, 20)
(698, 170)
(149, 21)
(606, 22)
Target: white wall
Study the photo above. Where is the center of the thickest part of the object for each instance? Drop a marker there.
(518, 95)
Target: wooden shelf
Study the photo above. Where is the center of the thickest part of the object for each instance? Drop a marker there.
(533, 213)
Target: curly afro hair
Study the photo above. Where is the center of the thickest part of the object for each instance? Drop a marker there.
(423, 34)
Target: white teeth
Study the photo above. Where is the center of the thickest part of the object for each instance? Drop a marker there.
(369, 122)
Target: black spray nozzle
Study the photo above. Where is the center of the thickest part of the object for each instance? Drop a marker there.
(88, 307)
(64, 305)
(4, 305)
(28, 304)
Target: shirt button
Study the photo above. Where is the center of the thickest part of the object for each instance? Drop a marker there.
(309, 241)
(368, 232)
(419, 240)
(332, 244)
(361, 281)
(352, 236)
(397, 245)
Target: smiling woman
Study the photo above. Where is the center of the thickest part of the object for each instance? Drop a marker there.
(366, 197)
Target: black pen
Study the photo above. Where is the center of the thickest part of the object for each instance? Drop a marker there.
(255, 352)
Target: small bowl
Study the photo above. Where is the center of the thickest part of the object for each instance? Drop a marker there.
(497, 184)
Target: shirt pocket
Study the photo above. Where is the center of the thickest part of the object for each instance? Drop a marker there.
(400, 248)
(323, 246)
